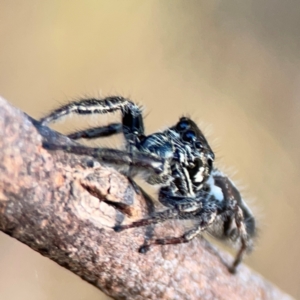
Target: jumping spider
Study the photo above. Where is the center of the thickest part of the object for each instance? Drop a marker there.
(180, 160)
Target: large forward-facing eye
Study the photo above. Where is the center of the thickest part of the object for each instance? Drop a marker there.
(189, 136)
(198, 145)
(210, 163)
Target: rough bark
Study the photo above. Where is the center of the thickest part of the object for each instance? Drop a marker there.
(64, 207)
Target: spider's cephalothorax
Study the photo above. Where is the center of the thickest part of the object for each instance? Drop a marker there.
(180, 160)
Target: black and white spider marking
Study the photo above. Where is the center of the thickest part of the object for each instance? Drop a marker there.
(180, 160)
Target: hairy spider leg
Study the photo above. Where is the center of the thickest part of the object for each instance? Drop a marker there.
(193, 210)
(133, 124)
(96, 132)
(132, 119)
(182, 211)
(158, 217)
(151, 162)
(132, 127)
(243, 237)
(185, 238)
(87, 106)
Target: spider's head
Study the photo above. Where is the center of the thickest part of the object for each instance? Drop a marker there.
(193, 146)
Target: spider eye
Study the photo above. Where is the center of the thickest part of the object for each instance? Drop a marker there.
(210, 163)
(198, 145)
(189, 136)
(183, 125)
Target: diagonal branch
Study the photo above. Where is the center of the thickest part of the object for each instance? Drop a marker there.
(64, 207)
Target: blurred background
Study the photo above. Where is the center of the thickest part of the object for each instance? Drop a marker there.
(232, 65)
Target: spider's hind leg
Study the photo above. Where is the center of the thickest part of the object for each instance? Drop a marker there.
(88, 106)
(133, 125)
(121, 159)
(96, 132)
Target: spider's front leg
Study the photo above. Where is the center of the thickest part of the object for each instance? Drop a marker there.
(189, 210)
(183, 208)
(185, 238)
(158, 217)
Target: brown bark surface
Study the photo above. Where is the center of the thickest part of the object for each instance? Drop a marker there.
(64, 207)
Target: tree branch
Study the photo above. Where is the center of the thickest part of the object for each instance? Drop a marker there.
(64, 207)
